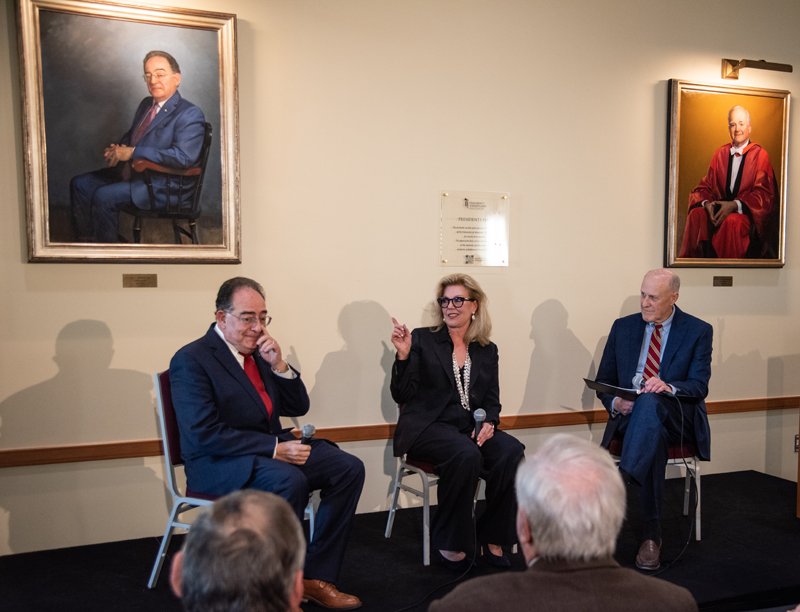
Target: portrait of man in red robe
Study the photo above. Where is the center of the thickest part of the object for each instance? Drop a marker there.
(732, 211)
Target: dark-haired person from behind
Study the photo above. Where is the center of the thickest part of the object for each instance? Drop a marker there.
(245, 554)
(441, 376)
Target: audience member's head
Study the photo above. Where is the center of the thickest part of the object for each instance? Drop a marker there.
(571, 501)
(245, 554)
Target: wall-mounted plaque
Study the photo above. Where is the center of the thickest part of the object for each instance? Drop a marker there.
(474, 228)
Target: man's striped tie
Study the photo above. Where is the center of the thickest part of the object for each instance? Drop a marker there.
(653, 362)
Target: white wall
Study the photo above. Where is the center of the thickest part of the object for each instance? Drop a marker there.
(354, 115)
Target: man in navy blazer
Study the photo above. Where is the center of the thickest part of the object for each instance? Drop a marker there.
(679, 363)
(166, 130)
(230, 389)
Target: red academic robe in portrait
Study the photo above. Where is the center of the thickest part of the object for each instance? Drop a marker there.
(757, 193)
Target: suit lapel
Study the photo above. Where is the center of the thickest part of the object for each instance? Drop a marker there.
(444, 352)
(476, 354)
(224, 356)
(161, 115)
(635, 349)
(677, 332)
(264, 370)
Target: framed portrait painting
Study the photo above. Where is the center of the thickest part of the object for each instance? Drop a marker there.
(130, 132)
(726, 197)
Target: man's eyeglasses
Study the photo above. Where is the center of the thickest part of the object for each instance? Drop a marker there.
(156, 76)
(249, 320)
(458, 302)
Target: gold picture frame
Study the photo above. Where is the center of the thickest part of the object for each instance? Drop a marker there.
(699, 150)
(80, 87)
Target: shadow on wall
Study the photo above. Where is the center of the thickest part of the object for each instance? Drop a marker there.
(559, 363)
(629, 306)
(736, 376)
(352, 384)
(354, 381)
(752, 376)
(87, 401)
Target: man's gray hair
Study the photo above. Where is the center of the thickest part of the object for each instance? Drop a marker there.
(243, 555)
(730, 112)
(574, 499)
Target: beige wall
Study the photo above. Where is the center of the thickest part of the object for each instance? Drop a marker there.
(354, 115)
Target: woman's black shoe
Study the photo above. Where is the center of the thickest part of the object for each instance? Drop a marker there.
(455, 566)
(498, 561)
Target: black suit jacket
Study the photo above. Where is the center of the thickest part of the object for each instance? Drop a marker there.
(222, 419)
(424, 383)
(685, 364)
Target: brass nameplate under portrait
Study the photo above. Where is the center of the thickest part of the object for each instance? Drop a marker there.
(139, 280)
(723, 281)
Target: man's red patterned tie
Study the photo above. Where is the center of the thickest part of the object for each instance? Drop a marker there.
(653, 362)
(251, 370)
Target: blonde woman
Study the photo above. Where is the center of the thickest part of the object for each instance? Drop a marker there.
(441, 376)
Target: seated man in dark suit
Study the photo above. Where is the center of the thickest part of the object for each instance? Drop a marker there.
(571, 507)
(662, 351)
(166, 130)
(245, 553)
(230, 389)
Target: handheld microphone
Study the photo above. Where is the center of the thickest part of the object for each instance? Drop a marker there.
(638, 383)
(480, 417)
(308, 433)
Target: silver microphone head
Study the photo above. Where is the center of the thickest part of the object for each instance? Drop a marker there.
(480, 415)
(309, 431)
(638, 381)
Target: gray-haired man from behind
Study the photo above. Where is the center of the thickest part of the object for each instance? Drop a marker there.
(245, 554)
(571, 507)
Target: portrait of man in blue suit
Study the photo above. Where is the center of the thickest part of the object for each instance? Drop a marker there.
(663, 351)
(167, 130)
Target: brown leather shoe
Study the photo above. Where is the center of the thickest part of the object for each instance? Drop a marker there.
(325, 594)
(649, 556)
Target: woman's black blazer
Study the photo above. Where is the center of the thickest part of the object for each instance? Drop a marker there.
(424, 383)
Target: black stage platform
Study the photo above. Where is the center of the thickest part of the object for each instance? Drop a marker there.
(748, 559)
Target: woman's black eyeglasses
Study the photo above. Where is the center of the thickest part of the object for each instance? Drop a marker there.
(458, 302)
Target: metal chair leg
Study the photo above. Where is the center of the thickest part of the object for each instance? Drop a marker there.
(426, 521)
(697, 512)
(390, 523)
(687, 491)
(310, 513)
(162, 551)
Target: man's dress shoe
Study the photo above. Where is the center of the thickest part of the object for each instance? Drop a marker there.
(649, 556)
(325, 594)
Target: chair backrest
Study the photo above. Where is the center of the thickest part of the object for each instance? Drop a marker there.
(175, 180)
(203, 161)
(170, 434)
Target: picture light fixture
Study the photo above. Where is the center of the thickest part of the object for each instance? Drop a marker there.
(731, 67)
